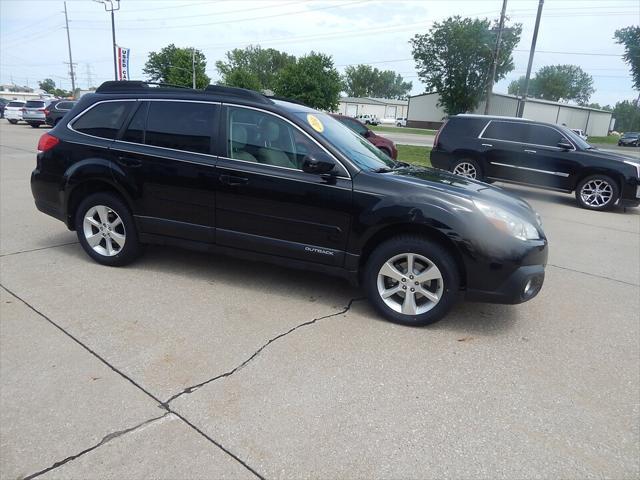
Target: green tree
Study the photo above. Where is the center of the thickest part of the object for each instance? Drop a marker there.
(47, 85)
(630, 38)
(596, 105)
(173, 65)
(245, 66)
(312, 80)
(563, 82)
(455, 57)
(365, 81)
(627, 116)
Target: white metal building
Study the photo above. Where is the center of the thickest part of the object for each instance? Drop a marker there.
(380, 107)
(424, 112)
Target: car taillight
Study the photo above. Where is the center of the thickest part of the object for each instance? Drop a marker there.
(435, 140)
(47, 142)
(46, 112)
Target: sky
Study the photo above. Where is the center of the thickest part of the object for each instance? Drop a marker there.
(33, 43)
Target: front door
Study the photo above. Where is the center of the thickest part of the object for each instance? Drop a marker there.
(264, 201)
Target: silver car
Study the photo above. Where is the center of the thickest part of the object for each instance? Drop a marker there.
(13, 111)
(34, 113)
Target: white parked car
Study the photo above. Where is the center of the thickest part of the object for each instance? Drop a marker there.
(13, 111)
(387, 121)
(580, 133)
(368, 119)
(401, 121)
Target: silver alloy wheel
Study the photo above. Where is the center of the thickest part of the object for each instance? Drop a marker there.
(465, 169)
(409, 283)
(104, 231)
(596, 193)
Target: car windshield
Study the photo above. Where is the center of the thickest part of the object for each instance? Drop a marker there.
(577, 140)
(350, 144)
(631, 135)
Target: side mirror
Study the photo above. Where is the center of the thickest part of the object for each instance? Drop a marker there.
(367, 133)
(319, 163)
(565, 145)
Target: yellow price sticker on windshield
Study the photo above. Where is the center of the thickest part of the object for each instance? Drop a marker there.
(315, 123)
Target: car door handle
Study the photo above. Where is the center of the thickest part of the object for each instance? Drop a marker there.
(487, 145)
(129, 162)
(530, 151)
(233, 180)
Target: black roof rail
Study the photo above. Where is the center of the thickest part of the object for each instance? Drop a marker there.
(290, 100)
(120, 86)
(238, 92)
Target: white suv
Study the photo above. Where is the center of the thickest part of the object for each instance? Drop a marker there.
(13, 111)
(368, 119)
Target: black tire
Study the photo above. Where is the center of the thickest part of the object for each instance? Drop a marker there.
(459, 162)
(435, 253)
(131, 249)
(12, 122)
(584, 202)
(35, 125)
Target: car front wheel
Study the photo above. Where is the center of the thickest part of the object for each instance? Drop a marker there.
(597, 192)
(467, 167)
(106, 230)
(411, 280)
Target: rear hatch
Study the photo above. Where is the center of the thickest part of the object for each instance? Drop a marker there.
(34, 109)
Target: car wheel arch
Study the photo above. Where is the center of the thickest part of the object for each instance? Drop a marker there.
(399, 229)
(617, 177)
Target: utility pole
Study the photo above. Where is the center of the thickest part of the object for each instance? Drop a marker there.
(496, 54)
(531, 53)
(89, 76)
(66, 22)
(110, 7)
(193, 66)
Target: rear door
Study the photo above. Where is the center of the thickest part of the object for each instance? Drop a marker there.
(265, 203)
(165, 156)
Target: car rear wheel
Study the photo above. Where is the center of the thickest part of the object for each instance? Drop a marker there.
(597, 192)
(34, 125)
(12, 122)
(411, 280)
(467, 167)
(106, 230)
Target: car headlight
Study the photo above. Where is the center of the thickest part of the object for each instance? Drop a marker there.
(508, 222)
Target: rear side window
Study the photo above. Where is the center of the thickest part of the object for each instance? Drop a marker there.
(65, 105)
(15, 104)
(181, 125)
(104, 120)
(135, 130)
(462, 127)
(34, 104)
(523, 133)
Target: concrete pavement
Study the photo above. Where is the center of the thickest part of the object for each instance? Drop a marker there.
(187, 365)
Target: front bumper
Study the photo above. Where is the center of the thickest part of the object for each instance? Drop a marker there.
(521, 286)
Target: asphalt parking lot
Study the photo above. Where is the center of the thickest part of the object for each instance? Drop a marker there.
(186, 365)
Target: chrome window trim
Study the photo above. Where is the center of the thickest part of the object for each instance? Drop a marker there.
(274, 166)
(285, 178)
(480, 137)
(559, 174)
(226, 104)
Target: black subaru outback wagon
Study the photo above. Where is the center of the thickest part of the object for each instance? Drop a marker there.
(538, 154)
(232, 171)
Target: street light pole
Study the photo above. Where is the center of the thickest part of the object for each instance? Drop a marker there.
(531, 53)
(496, 53)
(110, 7)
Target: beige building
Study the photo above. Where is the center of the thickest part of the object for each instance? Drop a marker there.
(425, 113)
(380, 107)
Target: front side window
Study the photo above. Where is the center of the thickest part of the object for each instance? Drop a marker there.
(181, 125)
(135, 130)
(541, 135)
(259, 137)
(103, 120)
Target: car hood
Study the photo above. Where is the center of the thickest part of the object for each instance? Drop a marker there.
(463, 187)
(620, 157)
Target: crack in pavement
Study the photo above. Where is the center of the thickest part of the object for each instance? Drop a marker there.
(105, 439)
(38, 249)
(193, 388)
(129, 379)
(593, 275)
